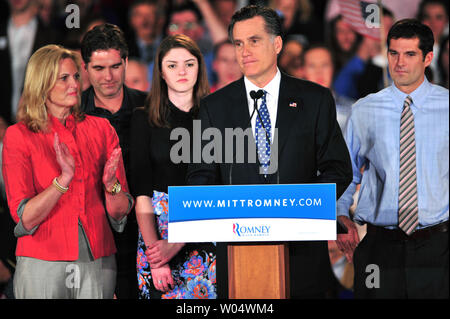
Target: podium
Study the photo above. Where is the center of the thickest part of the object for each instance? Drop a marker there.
(255, 222)
(253, 275)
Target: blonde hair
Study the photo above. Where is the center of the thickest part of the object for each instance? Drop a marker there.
(40, 77)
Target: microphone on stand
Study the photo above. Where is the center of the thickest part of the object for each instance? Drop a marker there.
(255, 95)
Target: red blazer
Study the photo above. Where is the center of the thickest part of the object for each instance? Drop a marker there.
(29, 166)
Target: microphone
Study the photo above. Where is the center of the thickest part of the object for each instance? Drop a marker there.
(255, 95)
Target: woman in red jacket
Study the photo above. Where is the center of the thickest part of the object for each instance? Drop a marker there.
(64, 179)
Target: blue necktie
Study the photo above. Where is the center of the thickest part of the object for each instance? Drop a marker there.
(263, 142)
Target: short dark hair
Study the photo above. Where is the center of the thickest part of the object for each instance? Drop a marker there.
(316, 46)
(271, 18)
(413, 28)
(219, 45)
(103, 37)
(137, 3)
(187, 6)
(424, 3)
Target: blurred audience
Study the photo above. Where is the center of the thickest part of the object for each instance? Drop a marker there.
(342, 40)
(46, 11)
(298, 18)
(144, 38)
(136, 75)
(442, 62)
(206, 22)
(21, 33)
(373, 79)
(225, 9)
(317, 66)
(289, 57)
(85, 82)
(401, 8)
(434, 14)
(225, 65)
(199, 22)
(363, 73)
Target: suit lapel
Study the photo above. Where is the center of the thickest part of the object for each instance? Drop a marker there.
(289, 105)
(239, 106)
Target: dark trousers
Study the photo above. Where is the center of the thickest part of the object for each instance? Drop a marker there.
(126, 243)
(387, 267)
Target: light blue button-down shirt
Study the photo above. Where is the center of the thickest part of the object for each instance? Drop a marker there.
(372, 137)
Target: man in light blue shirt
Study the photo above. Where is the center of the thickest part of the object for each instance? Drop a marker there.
(400, 138)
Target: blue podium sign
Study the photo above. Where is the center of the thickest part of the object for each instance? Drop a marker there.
(267, 212)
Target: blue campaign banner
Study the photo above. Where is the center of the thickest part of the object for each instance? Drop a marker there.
(195, 203)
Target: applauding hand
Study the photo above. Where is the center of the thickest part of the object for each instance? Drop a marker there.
(65, 161)
(109, 172)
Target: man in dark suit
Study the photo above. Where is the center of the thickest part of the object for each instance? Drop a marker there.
(105, 54)
(21, 34)
(143, 38)
(311, 148)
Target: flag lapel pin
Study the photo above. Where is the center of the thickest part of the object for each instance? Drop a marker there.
(293, 104)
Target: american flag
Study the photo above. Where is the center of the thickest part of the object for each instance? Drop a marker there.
(363, 16)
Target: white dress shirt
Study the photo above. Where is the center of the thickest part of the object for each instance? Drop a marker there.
(272, 89)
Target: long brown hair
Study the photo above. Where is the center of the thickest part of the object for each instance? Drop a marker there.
(40, 77)
(157, 101)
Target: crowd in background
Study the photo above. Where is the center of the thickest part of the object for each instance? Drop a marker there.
(318, 46)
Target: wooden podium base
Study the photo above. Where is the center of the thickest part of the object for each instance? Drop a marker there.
(258, 271)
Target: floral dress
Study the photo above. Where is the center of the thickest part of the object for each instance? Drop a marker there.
(193, 268)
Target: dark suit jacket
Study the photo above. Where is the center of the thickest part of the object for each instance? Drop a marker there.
(310, 141)
(43, 37)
